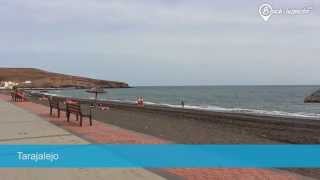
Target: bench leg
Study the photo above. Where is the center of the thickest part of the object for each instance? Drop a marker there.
(80, 120)
(90, 118)
(50, 111)
(68, 116)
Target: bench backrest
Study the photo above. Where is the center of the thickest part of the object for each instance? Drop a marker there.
(73, 107)
(19, 95)
(53, 102)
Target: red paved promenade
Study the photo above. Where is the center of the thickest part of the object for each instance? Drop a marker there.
(109, 134)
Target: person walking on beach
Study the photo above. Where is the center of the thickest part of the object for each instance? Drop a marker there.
(182, 103)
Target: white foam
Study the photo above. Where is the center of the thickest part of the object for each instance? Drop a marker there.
(50, 94)
(150, 103)
(247, 111)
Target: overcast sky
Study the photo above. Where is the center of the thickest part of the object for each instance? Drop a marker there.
(163, 42)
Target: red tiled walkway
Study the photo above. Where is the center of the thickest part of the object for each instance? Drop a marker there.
(109, 134)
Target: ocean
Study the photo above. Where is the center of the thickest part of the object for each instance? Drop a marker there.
(269, 100)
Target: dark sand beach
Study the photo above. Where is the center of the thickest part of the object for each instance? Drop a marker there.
(187, 126)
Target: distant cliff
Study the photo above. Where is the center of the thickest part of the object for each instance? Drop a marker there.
(44, 79)
(313, 98)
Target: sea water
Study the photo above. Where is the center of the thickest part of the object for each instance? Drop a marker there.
(270, 100)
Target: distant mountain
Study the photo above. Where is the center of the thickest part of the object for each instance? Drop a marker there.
(313, 98)
(45, 79)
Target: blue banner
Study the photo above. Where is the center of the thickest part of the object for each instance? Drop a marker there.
(160, 156)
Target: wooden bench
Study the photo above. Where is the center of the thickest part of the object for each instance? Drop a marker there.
(75, 108)
(18, 97)
(54, 103)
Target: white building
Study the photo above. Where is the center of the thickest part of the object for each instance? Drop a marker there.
(8, 84)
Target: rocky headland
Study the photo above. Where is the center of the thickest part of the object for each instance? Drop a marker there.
(313, 98)
(36, 78)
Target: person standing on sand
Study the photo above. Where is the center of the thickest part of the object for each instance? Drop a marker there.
(182, 103)
(141, 101)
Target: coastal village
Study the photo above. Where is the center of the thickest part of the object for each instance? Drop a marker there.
(12, 84)
(7, 84)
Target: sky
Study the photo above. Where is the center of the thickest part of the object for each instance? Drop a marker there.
(164, 42)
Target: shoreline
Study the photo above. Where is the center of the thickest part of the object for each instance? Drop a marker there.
(306, 116)
(200, 113)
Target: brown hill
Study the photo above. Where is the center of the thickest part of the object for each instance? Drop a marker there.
(45, 79)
